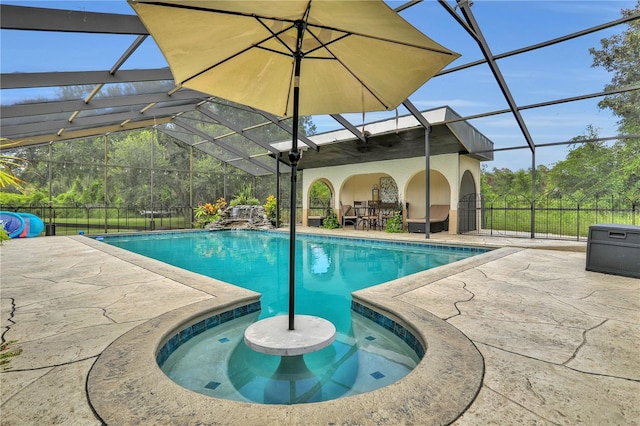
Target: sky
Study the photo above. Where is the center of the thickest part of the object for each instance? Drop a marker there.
(555, 72)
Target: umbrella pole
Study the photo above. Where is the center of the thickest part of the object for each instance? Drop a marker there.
(294, 157)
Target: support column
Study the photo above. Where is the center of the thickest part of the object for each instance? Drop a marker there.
(533, 194)
(278, 190)
(427, 160)
(106, 198)
(224, 180)
(50, 228)
(152, 223)
(427, 153)
(191, 214)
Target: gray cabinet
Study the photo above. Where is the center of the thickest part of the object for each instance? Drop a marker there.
(614, 249)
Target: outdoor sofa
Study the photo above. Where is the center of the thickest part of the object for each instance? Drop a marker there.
(438, 220)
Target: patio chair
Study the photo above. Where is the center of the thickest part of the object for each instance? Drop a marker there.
(386, 212)
(369, 218)
(348, 215)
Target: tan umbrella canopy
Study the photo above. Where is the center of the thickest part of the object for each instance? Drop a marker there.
(294, 57)
(357, 55)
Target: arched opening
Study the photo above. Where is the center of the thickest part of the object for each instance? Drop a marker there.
(467, 205)
(371, 198)
(364, 187)
(416, 194)
(320, 202)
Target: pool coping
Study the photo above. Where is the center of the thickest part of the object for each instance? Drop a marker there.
(125, 385)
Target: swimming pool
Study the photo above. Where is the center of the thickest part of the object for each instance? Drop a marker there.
(364, 357)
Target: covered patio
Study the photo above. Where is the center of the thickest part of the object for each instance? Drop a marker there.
(389, 166)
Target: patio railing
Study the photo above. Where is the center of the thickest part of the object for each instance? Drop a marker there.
(554, 216)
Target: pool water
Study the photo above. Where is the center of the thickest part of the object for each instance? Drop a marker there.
(364, 356)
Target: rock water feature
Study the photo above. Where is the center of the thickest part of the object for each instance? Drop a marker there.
(241, 217)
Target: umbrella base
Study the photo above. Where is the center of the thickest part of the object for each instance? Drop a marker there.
(272, 336)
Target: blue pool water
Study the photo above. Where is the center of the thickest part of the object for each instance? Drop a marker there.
(364, 356)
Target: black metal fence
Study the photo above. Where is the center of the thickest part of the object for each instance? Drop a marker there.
(97, 219)
(94, 218)
(320, 205)
(553, 216)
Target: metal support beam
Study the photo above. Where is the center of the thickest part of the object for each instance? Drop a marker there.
(533, 194)
(427, 154)
(77, 78)
(536, 46)
(50, 228)
(78, 21)
(278, 190)
(24, 131)
(191, 184)
(350, 127)
(189, 128)
(134, 46)
(229, 124)
(473, 29)
(302, 138)
(88, 132)
(91, 104)
(105, 184)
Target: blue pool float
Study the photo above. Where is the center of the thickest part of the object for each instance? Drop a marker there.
(33, 224)
(13, 223)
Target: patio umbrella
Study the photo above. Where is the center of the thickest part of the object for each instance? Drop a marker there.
(294, 57)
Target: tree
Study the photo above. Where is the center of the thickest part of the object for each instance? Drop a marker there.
(620, 54)
(586, 170)
(501, 182)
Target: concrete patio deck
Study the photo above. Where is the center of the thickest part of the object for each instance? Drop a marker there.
(558, 344)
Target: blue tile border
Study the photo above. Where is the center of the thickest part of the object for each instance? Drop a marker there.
(378, 243)
(302, 236)
(136, 235)
(188, 333)
(389, 324)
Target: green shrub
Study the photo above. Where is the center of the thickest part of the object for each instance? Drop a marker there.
(270, 207)
(245, 197)
(4, 236)
(28, 198)
(394, 224)
(331, 221)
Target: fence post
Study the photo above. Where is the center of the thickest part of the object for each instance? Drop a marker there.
(612, 209)
(50, 227)
(491, 218)
(578, 223)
